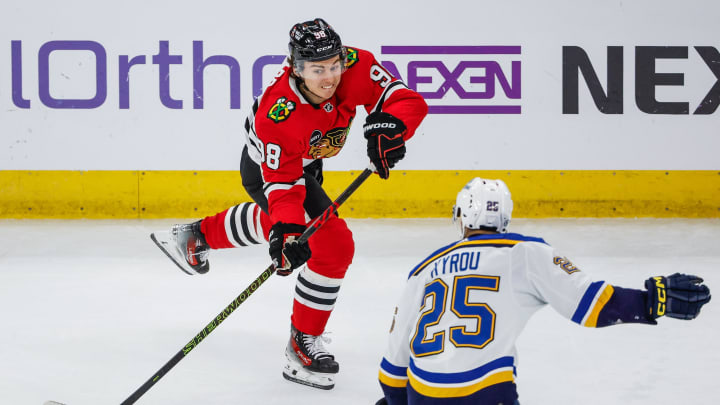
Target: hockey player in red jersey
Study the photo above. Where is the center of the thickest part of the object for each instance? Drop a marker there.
(453, 336)
(302, 117)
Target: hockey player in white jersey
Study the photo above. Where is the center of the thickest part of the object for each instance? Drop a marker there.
(454, 332)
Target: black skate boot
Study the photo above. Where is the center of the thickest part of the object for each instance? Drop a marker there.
(185, 245)
(308, 361)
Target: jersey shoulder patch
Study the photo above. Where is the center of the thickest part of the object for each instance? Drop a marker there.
(565, 264)
(351, 57)
(281, 110)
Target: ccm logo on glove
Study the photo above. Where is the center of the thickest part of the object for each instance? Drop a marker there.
(661, 296)
(678, 296)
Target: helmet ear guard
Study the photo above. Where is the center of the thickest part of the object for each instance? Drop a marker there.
(457, 213)
(483, 205)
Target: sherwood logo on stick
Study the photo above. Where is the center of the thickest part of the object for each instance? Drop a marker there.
(461, 79)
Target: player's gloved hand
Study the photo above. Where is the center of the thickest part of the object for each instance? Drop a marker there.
(286, 253)
(385, 143)
(381, 401)
(678, 296)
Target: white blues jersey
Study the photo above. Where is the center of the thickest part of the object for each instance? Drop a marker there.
(463, 307)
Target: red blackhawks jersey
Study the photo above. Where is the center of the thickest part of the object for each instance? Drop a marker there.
(285, 132)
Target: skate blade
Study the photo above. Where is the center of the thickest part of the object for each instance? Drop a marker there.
(164, 242)
(316, 380)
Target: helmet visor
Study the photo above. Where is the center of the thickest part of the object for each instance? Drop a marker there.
(320, 70)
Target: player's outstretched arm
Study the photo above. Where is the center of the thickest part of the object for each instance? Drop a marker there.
(678, 296)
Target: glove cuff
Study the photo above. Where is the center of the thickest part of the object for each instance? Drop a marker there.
(657, 297)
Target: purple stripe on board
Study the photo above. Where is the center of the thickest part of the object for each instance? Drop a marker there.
(474, 109)
(449, 50)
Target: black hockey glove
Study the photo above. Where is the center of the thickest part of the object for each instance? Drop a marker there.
(385, 144)
(678, 296)
(381, 401)
(286, 253)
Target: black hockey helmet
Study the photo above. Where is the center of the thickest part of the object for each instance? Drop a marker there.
(314, 40)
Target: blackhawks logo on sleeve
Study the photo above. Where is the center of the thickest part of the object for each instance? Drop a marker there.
(280, 111)
(351, 58)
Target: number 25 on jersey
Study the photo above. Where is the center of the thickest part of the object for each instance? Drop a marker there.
(434, 313)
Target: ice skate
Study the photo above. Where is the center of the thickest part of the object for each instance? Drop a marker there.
(308, 362)
(185, 245)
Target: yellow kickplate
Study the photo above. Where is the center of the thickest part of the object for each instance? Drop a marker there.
(411, 194)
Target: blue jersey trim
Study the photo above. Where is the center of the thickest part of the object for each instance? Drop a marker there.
(464, 376)
(393, 369)
(429, 256)
(511, 238)
(586, 300)
(502, 393)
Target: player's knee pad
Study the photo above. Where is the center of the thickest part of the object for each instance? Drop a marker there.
(332, 249)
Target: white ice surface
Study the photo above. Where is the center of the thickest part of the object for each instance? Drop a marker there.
(89, 310)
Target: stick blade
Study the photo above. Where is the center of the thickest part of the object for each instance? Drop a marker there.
(53, 403)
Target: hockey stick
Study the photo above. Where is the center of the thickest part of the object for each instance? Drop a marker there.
(311, 229)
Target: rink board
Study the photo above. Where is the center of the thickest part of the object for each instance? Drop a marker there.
(407, 194)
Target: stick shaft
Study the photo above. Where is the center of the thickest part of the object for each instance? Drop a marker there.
(200, 336)
(314, 226)
(329, 211)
